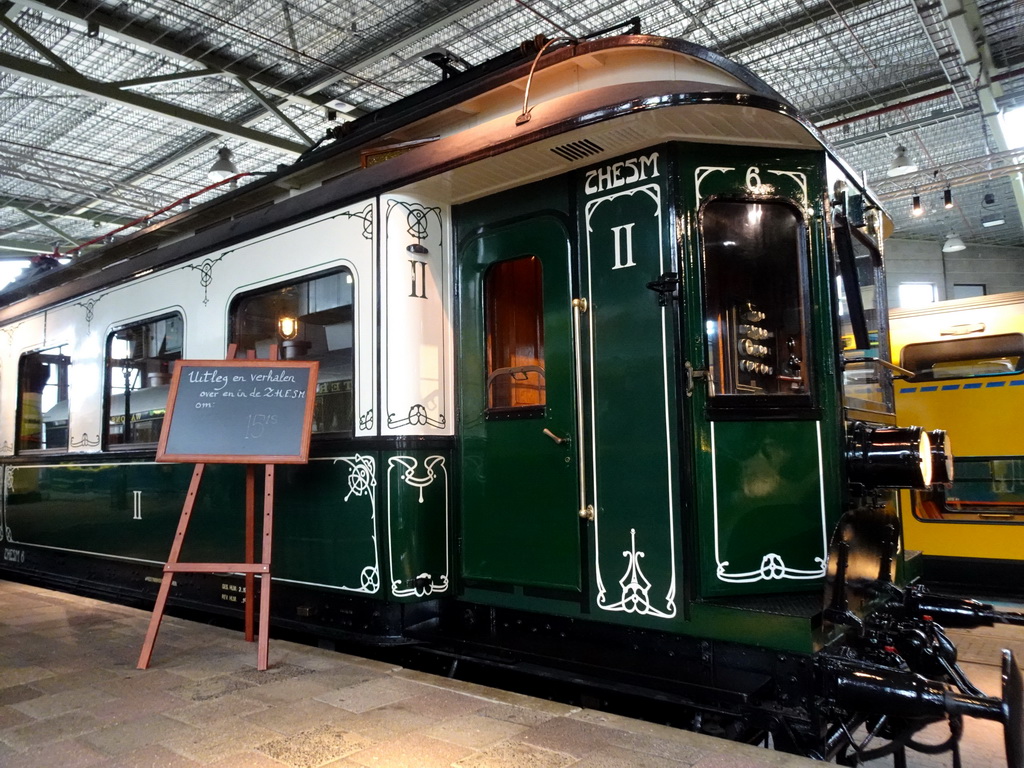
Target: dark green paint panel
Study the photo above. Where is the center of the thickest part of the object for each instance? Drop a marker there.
(635, 489)
(417, 541)
(768, 520)
(769, 630)
(766, 529)
(325, 523)
(343, 523)
(519, 498)
(127, 510)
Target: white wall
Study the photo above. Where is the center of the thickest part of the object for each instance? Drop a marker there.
(999, 269)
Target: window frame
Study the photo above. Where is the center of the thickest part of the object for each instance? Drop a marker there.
(278, 284)
(842, 233)
(728, 406)
(513, 411)
(108, 381)
(64, 362)
(980, 342)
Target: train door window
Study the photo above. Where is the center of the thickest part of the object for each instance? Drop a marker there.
(140, 360)
(309, 319)
(755, 266)
(514, 321)
(863, 313)
(43, 400)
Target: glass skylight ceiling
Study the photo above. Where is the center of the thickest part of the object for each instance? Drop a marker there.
(171, 81)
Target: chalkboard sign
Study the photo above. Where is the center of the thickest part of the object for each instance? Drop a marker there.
(239, 412)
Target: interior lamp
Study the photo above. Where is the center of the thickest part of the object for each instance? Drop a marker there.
(288, 327)
(953, 243)
(901, 166)
(223, 167)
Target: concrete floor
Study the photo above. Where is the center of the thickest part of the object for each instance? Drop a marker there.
(71, 697)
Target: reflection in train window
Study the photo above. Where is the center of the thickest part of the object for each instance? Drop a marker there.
(984, 489)
(308, 319)
(755, 272)
(862, 319)
(994, 355)
(140, 360)
(514, 318)
(43, 400)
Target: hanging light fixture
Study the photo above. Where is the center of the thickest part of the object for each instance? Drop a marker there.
(223, 167)
(953, 243)
(947, 198)
(901, 166)
(915, 206)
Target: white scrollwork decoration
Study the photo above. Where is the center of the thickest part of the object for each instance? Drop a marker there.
(409, 476)
(635, 596)
(417, 417)
(703, 172)
(425, 583)
(369, 579)
(773, 567)
(801, 180)
(362, 481)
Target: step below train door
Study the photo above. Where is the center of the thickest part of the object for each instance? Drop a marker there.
(519, 522)
(754, 386)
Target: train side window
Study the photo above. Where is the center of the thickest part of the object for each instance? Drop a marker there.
(140, 360)
(755, 266)
(999, 354)
(310, 319)
(42, 422)
(514, 319)
(985, 489)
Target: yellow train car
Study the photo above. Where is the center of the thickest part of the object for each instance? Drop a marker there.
(967, 360)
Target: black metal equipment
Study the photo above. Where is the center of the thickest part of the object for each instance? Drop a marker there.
(898, 672)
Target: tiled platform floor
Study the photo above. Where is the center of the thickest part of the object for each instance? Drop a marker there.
(70, 697)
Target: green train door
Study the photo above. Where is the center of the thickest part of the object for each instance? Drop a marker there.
(761, 444)
(519, 522)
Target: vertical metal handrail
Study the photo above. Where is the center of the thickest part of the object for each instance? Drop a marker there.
(579, 306)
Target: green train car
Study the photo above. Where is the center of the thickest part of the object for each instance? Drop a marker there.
(596, 399)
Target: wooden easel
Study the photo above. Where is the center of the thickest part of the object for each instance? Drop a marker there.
(250, 568)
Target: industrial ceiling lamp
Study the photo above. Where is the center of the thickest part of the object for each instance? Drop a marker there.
(915, 207)
(953, 243)
(901, 166)
(947, 198)
(223, 167)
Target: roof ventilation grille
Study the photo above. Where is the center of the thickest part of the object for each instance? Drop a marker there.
(577, 150)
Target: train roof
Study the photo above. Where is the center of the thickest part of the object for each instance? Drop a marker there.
(530, 114)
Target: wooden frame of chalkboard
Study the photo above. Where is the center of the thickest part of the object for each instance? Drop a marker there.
(239, 412)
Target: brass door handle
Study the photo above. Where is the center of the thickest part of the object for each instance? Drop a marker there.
(558, 440)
